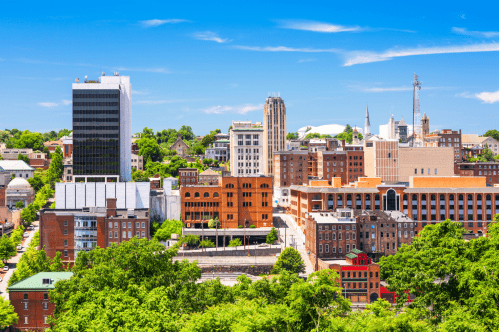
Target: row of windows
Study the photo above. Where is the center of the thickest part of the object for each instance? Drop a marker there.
(196, 194)
(124, 235)
(96, 112)
(94, 103)
(124, 224)
(333, 227)
(358, 274)
(340, 235)
(97, 128)
(97, 136)
(201, 204)
(96, 95)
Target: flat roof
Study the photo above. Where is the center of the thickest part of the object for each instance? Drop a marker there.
(330, 217)
(36, 282)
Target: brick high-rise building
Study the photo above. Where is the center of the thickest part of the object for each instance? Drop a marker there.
(274, 131)
(70, 231)
(236, 201)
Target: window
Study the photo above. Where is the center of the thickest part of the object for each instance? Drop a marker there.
(46, 296)
(45, 320)
(115, 235)
(25, 319)
(45, 305)
(124, 225)
(143, 225)
(320, 248)
(124, 234)
(137, 225)
(143, 234)
(110, 224)
(65, 232)
(25, 296)
(110, 235)
(115, 224)
(65, 243)
(65, 253)
(65, 222)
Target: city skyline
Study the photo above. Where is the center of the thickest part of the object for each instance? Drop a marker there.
(213, 64)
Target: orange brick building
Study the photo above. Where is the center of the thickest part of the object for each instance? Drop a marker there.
(237, 201)
(70, 231)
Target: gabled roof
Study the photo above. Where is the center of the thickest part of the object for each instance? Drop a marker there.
(36, 282)
(209, 171)
(472, 139)
(351, 256)
(15, 165)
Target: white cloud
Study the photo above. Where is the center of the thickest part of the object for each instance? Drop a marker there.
(359, 57)
(156, 22)
(48, 104)
(66, 102)
(318, 26)
(305, 60)
(211, 36)
(488, 97)
(157, 102)
(147, 70)
(242, 109)
(285, 49)
(139, 92)
(484, 34)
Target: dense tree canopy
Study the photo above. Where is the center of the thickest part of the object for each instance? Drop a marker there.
(494, 133)
(289, 260)
(150, 150)
(291, 136)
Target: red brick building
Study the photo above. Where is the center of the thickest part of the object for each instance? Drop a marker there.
(39, 160)
(359, 276)
(446, 138)
(490, 170)
(31, 302)
(236, 201)
(71, 231)
(187, 176)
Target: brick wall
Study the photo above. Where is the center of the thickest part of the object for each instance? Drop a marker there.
(35, 311)
(54, 231)
(255, 270)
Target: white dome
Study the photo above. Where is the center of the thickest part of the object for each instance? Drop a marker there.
(19, 183)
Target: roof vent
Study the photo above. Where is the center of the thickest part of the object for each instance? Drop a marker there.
(47, 281)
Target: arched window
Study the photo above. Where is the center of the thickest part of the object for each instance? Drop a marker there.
(376, 202)
(196, 194)
(479, 207)
(368, 202)
(263, 185)
(187, 195)
(340, 200)
(215, 194)
(330, 202)
(206, 195)
(358, 202)
(349, 200)
(404, 203)
(391, 200)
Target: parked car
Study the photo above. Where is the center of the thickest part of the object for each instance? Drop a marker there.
(19, 247)
(26, 234)
(6, 268)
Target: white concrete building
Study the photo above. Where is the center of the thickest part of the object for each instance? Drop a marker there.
(19, 190)
(18, 168)
(129, 195)
(219, 150)
(246, 149)
(165, 204)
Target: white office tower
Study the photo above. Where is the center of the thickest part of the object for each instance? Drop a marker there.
(246, 149)
(102, 119)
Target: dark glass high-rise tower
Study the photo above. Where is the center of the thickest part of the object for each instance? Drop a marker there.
(101, 130)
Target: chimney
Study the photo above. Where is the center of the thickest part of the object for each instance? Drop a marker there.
(343, 144)
(111, 207)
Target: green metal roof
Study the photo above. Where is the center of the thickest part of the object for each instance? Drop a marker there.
(36, 282)
(352, 256)
(356, 251)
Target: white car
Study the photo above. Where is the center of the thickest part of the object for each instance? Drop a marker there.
(6, 268)
(19, 247)
(26, 234)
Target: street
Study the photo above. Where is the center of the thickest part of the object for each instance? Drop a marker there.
(12, 263)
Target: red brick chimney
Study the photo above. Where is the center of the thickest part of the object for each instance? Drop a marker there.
(111, 207)
(343, 144)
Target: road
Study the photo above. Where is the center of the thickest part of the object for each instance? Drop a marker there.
(294, 238)
(12, 263)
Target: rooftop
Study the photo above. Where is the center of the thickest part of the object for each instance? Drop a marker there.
(15, 165)
(40, 281)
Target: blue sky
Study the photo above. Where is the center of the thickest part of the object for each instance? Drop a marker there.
(204, 64)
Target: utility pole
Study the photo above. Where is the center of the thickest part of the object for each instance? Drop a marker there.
(224, 238)
(216, 236)
(255, 250)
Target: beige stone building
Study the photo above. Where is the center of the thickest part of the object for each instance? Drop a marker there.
(384, 159)
(274, 130)
(472, 140)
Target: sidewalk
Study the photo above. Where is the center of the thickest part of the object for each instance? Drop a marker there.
(12, 263)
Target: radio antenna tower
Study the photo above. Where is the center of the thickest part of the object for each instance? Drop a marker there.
(416, 115)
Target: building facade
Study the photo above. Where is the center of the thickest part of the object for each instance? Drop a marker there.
(274, 131)
(187, 176)
(237, 201)
(247, 149)
(489, 170)
(70, 231)
(17, 168)
(102, 129)
(446, 138)
(209, 177)
(31, 301)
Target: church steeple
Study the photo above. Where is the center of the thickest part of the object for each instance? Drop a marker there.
(367, 124)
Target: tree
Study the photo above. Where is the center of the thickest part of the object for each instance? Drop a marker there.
(186, 133)
(272, 236)
(214, 223)
(289, 260)
(56, 167)
(494, 133)
(17, 235)
(140, 176)
(168, 228)
(312, 135)
(8, 315)
(206, 244)
(7, 248)
(29, 140)
(235, 242)
(36, 182)
(19, 204)
(190, 239)
(291, 136)
(149, 148)
(228, 130)
(23, 158)
(28, 215)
